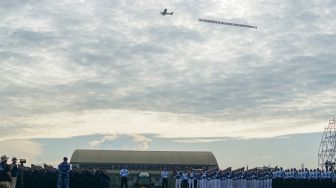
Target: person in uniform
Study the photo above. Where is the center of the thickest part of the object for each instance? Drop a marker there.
(305, 177)
(290, 178)
(204, 179)
(63, 174)
(314, 178)
(184, 179)
(209, 180)
(14, 172)
(222, 179)
(124, 176)
(178, 179)
(299, 178)
(229, 179)
(4, 173)
(191, 179)
(164, 176)
(328, 177)
(199, 179)
(252, 179)
(281, 176)
(318, 177)
(323, 179)
(274, 177)
(332, 177)
(217, 179)
(258, 179)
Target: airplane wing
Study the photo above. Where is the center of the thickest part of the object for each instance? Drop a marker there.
(165, 11)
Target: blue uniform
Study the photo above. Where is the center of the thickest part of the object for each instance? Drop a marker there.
(178, 180)
(123, 172)
(164, 176)
(124, 175)
(63, 177)
(191, 180)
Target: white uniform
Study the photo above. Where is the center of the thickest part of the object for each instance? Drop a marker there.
(217, 180)
(199, 180)
(184, 178)
(204, 180)
(191, 180)
(178, 180)
(229, 182)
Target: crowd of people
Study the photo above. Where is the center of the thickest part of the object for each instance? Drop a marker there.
(18, 176)
(241, 178)
(253, 178)
(8, 172)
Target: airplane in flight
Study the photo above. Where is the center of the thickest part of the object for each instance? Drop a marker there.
(165, 12)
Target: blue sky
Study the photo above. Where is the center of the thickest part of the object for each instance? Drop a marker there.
(115, 74)
(286, 151)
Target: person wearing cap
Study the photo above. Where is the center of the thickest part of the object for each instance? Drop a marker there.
(5, 176)
(124, 175)
(164, 176)
(63, 174)
(14, 172)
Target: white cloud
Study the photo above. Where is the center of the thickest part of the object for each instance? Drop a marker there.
(168, 125)
(96, 143)
(21, 149)
(119, 67)
(141, 141)
(200, 140)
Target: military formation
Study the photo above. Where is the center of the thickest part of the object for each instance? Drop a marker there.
(18, 176)
(254, 178)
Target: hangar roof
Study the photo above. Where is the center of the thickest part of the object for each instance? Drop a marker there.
(143, 157)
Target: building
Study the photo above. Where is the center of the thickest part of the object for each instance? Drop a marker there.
(142, 160)
(146, 161)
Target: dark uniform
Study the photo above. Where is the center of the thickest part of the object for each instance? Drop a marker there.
(64, 170)
(4, 173)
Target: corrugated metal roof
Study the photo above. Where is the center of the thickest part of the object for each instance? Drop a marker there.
(143, 157)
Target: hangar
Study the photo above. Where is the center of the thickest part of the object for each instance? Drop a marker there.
(142, 160)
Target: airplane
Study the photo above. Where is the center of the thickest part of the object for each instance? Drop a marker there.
(165, 12)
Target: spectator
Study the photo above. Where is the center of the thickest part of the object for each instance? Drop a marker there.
(14, 172)
(5, 176)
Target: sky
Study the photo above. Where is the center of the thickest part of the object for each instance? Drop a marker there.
(115, 74)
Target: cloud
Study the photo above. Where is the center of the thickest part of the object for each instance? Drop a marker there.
(123, 68)
(141, 141)
(21, 149)
(200, 140)
(167, 125)
(96, 143)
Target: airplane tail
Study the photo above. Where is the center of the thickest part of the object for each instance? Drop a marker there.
(172, 13)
